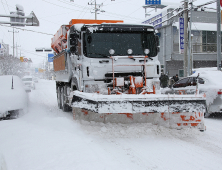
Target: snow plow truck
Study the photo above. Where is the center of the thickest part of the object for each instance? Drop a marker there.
(108, 71)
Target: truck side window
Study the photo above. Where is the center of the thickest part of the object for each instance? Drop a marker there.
(74, 43)
(73, 39)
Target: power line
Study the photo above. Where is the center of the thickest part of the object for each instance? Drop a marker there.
(9, 38)
(60, 6)
(79, 6)
(24, 50)
(3, 7)
(23, 29)
(7, 5)
(85, 9)
(13, 41)
(96, 8)
(134, 11)
(51, 22)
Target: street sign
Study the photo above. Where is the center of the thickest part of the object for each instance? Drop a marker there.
(50, 57)
(33, 21)
(39, 49)
(152, 2)
(0, 45)
(181, 36)
(221, 3)
(25, 60)
(21, 59)
(36, 70)
(156, 21)
(47, 49)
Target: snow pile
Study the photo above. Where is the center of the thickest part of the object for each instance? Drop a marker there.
(136, 130)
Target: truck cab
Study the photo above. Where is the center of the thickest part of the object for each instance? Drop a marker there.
(98, 53)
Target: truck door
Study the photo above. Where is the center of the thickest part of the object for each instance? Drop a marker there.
(75, 49)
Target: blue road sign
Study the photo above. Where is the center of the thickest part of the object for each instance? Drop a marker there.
(0, 45)
(152, 2)
(36, 70)
(50, 57)
(181, 27)
(156, 21)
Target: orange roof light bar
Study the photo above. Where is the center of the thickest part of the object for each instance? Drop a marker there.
(91, 21)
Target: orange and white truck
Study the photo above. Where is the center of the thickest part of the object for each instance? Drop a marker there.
(108, 71)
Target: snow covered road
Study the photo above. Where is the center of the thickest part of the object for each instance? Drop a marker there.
(45, 138)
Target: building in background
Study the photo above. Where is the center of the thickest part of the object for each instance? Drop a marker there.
(4, 49)
(204, 39)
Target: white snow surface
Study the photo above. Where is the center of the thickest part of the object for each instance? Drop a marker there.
(45, 138)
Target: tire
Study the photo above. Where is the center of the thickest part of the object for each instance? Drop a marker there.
(75, 84)
(59, 97)
(65, 106)
(207, 114)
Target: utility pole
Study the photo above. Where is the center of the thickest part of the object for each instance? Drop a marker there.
(96, 8)
(218, 36)
(185, 61)
(17, 49)
(13, 41)
(190, 61)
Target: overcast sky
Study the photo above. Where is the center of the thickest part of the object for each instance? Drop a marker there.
(54, 13)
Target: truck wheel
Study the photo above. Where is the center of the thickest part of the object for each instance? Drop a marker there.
(59, 97)
(65, 106)
(74, 84)
(67, 92)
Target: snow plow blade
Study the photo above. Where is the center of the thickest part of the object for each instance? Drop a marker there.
(175, 111)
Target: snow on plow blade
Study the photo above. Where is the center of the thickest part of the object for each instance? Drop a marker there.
(175, 111)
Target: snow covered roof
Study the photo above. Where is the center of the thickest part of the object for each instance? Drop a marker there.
(200, 26)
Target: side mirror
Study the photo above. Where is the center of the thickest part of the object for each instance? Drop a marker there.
(158, 49)
(73, 43)
(73, 39)
(157, 43)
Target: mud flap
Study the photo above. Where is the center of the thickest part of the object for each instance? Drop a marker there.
(176, 111)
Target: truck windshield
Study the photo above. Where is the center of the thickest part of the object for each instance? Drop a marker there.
(97, 45)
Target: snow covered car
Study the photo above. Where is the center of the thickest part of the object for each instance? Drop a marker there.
(209, 83)
(13, 97)
(29, 83)
(35, 79)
